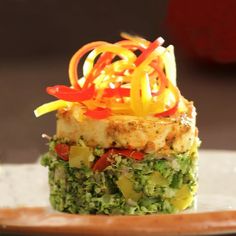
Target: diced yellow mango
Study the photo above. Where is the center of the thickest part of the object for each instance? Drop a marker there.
(80, 155)
(126, 187)
(157, 179)
(183, 198)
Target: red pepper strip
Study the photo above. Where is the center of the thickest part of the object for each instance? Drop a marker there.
(98, 113)
(102, 61)
(116, 92)
(71, 95)
(103, 161)
(62, 151)
(155, 44)
(130, 154)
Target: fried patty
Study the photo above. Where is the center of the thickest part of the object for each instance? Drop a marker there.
(166, 135)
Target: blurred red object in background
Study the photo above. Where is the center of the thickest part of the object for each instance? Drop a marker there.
(205, 29)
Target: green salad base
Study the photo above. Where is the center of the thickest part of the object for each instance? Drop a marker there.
(126, 187)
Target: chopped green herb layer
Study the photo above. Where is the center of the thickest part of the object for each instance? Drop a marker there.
(152, 185)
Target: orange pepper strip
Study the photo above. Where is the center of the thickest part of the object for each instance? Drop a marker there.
(107, 57)
(136, 39)
(73, 75)
(114, 49)
(131, 45)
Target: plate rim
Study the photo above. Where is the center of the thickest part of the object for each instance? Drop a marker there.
(44, 220)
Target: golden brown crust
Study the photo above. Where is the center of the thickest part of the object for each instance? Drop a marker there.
(149, 134)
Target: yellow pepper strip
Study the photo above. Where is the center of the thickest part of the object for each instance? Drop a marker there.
(164, 99)
(73, 74)
(135, 92)
(146, 94)
(119, 66)
(133, 46)
(158, 104)
(117, 106)
(182, 108)
(109, 74)
(135, 96)
(51, 106)
(111, 70)
(118, 50)
(168, 58)
(99, 80)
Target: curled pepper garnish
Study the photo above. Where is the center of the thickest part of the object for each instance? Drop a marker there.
(130, 77)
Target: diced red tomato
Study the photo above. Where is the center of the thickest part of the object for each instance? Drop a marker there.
(62, 151)
(104, 161)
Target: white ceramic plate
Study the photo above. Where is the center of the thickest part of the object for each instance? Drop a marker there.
(24, 205)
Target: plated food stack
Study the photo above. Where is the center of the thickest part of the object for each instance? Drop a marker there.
(126, 140)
